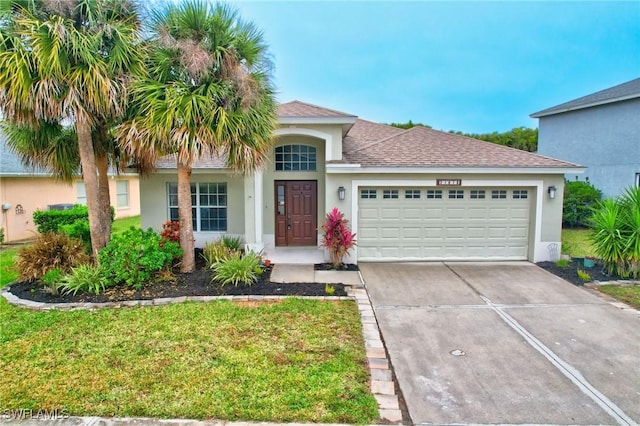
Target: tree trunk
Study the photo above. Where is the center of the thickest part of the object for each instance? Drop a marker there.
(90, 178)
(185, 217)
(103, 196)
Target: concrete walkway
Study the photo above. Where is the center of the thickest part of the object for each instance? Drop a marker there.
(505, 343)
(297, 273)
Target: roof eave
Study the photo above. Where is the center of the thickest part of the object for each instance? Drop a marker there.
(554, 111)
(317, 120)
(359, 169)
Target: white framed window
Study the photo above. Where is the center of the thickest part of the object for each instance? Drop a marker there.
(208, 205)
(520, 194)
(434, 193)
(368, 193)
(456, 194)
(412, 193)
(122, 193)
(477, 194)
(295, 158)
(390, 194)
(499, 194)
(81, 193)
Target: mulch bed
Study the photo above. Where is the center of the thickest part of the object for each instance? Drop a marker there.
(197, 283)
(329, 267)
(570, 272)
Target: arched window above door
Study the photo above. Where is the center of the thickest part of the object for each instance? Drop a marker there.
(295, 158)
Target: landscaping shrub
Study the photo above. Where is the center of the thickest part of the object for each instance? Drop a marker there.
(51, 279)
(87, 278)
(50, 251)
(1, 236)
(135, 256)
(171, 231)
(238, 269)
(231, 242)
(216, 252)
(579, 200)
(52, 220)
(78, 229)
(616, 238)
(337, 237)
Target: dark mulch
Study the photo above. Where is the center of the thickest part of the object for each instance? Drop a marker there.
(329, 267)
(570, 272)
(197, 283)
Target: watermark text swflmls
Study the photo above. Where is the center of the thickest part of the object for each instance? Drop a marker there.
(27, 413)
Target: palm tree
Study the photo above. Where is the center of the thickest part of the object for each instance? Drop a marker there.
(208, 93)
(70, 62)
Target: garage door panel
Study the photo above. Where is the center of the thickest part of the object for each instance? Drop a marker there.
(433, 229)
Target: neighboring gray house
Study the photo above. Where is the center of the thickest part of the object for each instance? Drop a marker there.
(600, 131)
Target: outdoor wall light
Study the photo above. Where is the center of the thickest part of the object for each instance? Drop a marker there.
(341, 193)
(552, 192)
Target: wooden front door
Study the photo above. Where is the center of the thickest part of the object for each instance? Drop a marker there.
(296, 213)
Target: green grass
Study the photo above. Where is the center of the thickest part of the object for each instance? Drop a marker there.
(120, 225)
(629, 295)
(7, 273)
(291, 361)
(576, 242)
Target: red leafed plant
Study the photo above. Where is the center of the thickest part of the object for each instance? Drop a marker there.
(337, 237)
(171, 231)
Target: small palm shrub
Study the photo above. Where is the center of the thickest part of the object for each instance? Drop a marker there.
(87, 278)
(337, 237)
(135, 256)
(216, 252)
(51, 280)
(238, 269)
(616, 233)
(50, 251)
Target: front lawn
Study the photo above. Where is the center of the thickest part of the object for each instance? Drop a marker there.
(7, 273)
(628, 295)
(120, 225)
(576, 242)
(289, 361)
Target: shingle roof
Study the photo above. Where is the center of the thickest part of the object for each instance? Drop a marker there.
(208, 162)
(11, 164)
(624, 91)
(423, 147)
(303, 109)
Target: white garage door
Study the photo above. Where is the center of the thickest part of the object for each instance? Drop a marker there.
(444, 223)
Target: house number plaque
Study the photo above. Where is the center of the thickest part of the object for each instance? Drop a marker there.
(449, 182)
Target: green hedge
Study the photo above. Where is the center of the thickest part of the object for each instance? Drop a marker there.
(579, 200)
(53, 220)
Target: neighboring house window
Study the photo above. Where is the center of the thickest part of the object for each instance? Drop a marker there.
(637, 179)
(81, 193)
(295, 158)
(122, 193)
(434, 193)
(368, 193)
(209, 205)
(390, 193)
(456, 194)
(412, 193)
(520, 194)
(477, 194)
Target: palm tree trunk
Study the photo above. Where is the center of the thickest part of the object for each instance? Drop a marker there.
(102, 161)
(90, 178)
(185, 217)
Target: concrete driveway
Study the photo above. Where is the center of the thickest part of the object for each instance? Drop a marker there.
(505, 343)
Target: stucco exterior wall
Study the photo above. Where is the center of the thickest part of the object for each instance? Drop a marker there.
(604, 138)
(37, 193)
(155, 208)
(546, 218)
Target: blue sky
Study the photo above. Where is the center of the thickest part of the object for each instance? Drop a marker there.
(469, 66)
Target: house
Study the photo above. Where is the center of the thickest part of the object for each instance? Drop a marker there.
(24, 190)
(416, 194)
(600, 131)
